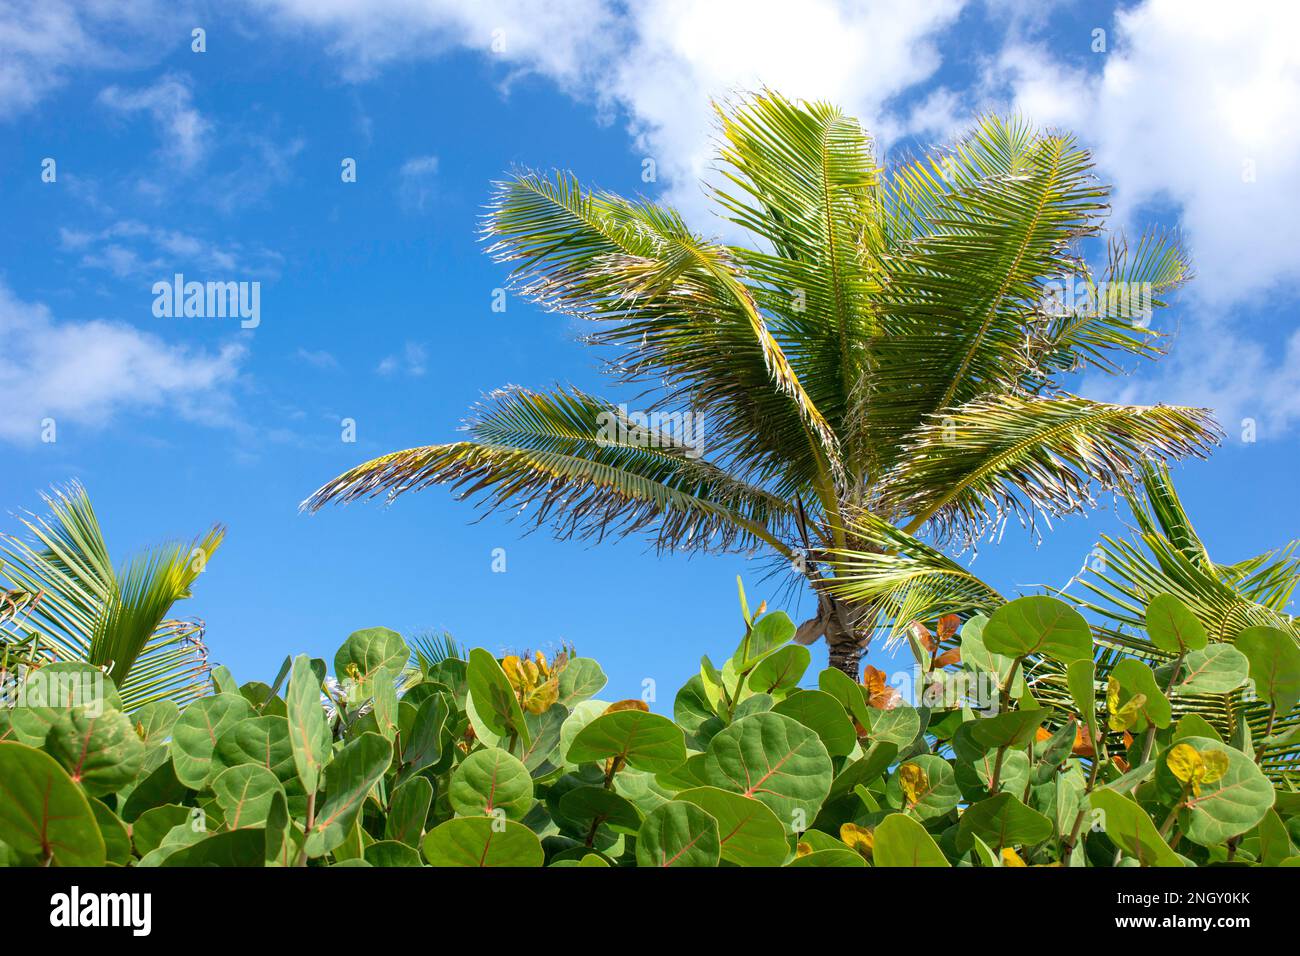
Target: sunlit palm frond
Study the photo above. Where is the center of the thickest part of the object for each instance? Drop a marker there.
(578, 464)
(990, 225)
(803, 178)
(431, 648)
(1026, 455)
(902, 579)
(115, 619)
(1167, 557)
(674, 306)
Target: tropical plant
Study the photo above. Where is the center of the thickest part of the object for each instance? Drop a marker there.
(1224, 602)
(883, 360)
(78, 607)
(514, 762)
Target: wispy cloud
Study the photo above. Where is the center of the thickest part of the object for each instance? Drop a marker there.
(183, 131)
(416, 182)
(132, 249)
(92, 372)
(412, 361)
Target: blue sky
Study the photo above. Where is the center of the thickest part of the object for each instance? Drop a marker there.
(376, 295)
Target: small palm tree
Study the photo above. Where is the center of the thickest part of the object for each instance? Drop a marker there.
(116, 619)
(1167, 556)
(881, 362)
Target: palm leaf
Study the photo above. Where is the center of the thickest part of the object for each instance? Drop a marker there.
(1025, 455)
(579, 464)
(114, 619)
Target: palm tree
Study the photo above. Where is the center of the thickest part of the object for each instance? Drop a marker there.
(1167, 556)
(116, 619)
(881, 362)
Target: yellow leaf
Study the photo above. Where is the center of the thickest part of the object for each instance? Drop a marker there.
(859, 838)
(633, 704)
(514, 673)
(914, 783)
(541, 664)
(537, 700)
(1011, 858)
(803, 849)
(530, 672)
(1216, 765)
(1185, 763)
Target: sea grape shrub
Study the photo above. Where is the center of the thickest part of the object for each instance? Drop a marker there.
(1007, 743)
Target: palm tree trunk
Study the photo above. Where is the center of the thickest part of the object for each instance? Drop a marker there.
(835, 621)
(847, 658)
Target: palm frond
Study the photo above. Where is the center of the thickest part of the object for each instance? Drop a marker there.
(901, 579)
(980, 234)
(580, 465)
(1025, 455)
(674, 306)
(114, 619)
(430, 648)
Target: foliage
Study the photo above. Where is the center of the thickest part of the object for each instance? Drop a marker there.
(882, 359)
(66, 602)
(514, 762)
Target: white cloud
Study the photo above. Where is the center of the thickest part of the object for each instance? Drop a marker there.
(1196, 111)
(131, 249)
(41, 44)
(412, 361)
(417, 176)
(89, 372)
(662, 62)
(183, 130)
(318, 358)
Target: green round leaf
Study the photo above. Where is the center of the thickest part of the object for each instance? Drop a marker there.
(263, 741)
(1039, 625)
(822, 713)
(583, 810)
(901, 841)
(392, 853)
(750, 834)
(483, 842)
(196, 732)
(1172, 627)
(488, 780)
(937, 797)
(780, 671)
(1229, 806)
(678, 835)
(777, 761)
(58, 689)
(646, 742)
(44, 816)
(232, 848)
(898, 725)
(1274, 665)
(1002, 821)
(244, 794)
(581, 679)
(368, 653)
(1216, 669)
(101, 753)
